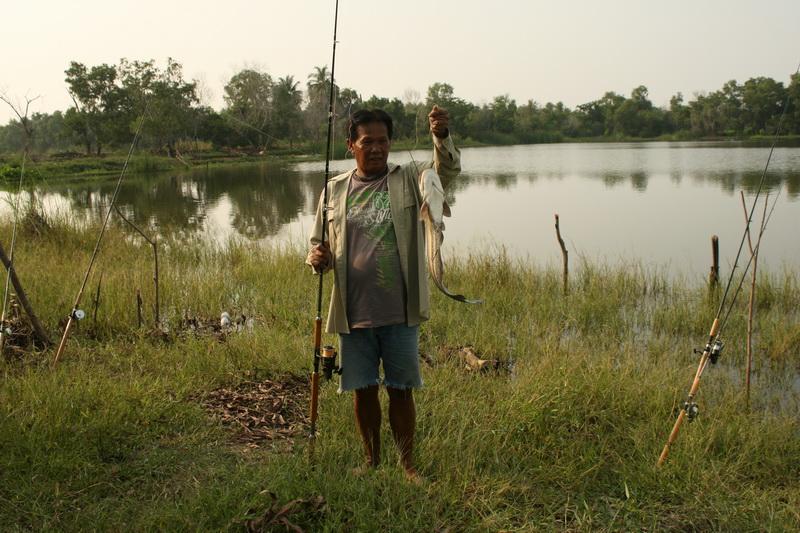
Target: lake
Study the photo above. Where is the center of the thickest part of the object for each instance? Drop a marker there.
(657, 203)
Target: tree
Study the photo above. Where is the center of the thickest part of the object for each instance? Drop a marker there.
(636, 116)
(402, 120)
(318, 88)
(92, 91)
(25, 123)
(592, 118)
(706, 114)
(347, 100)
(731, 107)
(287, 100)
(793, 112)
(249, 109)
(165, 97)
(678, 117)
(503, 110)
(717, 113)
(171, 100)
(762, 102)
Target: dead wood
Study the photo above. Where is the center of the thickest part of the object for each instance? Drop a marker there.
(267, 520)
(474, 363)
(38, 330)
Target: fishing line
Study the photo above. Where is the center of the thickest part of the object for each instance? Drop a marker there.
(76, 314)
(416, 137)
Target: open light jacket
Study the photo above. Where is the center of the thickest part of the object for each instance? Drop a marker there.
(405, 199)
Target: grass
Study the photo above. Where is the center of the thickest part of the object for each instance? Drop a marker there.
(114, 437)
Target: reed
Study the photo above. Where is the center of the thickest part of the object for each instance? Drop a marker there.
(566, 438)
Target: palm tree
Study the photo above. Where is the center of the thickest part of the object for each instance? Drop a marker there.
(319, 84)
(287, 106)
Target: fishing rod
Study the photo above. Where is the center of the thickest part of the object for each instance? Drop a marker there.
(77, 314)
(714, 344)
(328, 355)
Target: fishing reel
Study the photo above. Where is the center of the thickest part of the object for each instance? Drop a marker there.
(329, 367)
(716, 351)
(692, 410)
(713, 351)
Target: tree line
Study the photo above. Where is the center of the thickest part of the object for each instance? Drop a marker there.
(263, 113)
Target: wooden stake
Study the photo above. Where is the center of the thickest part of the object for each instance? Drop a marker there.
(97, 298)
(565, 255)
(713, 278)
(139, 306)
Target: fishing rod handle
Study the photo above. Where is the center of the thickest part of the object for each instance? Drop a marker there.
(63, 342)
(672, 436)
(714, 328)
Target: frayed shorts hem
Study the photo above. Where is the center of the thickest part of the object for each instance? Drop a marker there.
(367, 385)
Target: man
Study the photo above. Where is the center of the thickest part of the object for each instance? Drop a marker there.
(375, 245)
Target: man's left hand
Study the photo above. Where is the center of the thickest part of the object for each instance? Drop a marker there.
(439, 119)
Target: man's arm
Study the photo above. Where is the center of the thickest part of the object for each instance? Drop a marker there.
(446, 157)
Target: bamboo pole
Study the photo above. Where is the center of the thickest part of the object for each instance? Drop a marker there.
(751, 305)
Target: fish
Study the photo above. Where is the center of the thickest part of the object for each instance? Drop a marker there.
(434, 209)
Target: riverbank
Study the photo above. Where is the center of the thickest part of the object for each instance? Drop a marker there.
(189, 425)
(74, 164)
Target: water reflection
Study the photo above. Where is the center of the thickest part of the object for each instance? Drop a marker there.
(255, 201)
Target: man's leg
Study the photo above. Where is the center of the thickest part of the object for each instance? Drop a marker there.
(403, 419)
(368, 418)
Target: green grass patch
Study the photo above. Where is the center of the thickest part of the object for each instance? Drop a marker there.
(566, 436)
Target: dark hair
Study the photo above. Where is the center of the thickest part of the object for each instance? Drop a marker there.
(368, 116)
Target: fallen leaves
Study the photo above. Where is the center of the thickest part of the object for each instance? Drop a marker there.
(259, 411)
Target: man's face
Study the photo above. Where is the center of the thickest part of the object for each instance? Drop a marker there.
(371, 149)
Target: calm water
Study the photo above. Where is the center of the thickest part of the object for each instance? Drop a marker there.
(659, 203)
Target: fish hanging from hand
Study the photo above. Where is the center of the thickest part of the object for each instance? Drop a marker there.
(434, 208)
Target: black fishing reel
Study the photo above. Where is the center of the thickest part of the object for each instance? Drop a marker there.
(713, 351)
(692, 410)
(329, 367)
(716, 351)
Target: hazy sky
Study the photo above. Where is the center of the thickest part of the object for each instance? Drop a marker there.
(571, 51)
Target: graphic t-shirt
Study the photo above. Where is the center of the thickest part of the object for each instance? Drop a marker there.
(376, 294)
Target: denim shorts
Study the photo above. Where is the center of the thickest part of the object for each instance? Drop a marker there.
(362, 350)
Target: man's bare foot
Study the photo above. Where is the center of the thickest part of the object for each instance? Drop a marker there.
(413, 475)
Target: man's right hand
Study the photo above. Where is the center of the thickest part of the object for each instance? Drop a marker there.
(320, 256)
